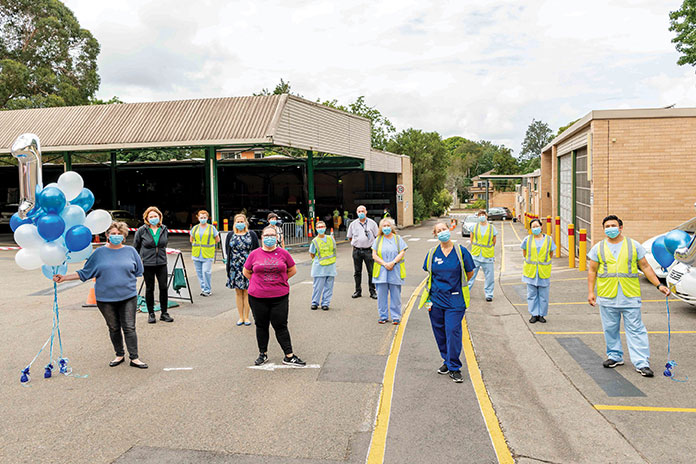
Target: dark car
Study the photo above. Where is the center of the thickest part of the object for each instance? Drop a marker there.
(496, 214)
(258, 219)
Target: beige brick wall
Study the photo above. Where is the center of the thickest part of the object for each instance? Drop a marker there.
(546, 179)
(404, 215)
(506, 199)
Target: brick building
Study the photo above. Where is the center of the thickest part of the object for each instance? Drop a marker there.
(528, 194)
(639, 164)
(478, 187)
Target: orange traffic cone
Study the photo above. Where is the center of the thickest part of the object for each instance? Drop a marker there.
(332, 231)
(91, 298)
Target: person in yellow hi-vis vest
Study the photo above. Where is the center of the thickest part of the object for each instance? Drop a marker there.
(483, 238)
(203, 238)
(614, 264)
(299, 223)
(536, 272)
(449, 268)
(322, 250)
(389, 271)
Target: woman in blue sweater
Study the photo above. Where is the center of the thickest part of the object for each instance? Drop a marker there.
(115, 268)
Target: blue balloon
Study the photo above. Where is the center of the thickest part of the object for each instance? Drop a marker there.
(77, 238)
(77, 256)
(16, 221)
(84, 200)
(52, 200)
(660, 252)
(51, 226)
(50, 271)
(676, 239)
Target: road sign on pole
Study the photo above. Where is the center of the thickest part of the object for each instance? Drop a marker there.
(400, 189)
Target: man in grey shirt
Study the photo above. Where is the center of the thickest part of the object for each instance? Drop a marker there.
(362, 234)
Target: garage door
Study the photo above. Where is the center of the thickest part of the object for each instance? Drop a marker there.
(566, 196)
(582, 196)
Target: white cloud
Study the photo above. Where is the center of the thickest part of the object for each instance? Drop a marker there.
(478, 69)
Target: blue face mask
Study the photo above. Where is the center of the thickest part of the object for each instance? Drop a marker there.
(203, 220)
(536, 230)
(386, 230)
(321, 231)
(154, 221)
(444, 236)
(482, 219)
(273, 222)
(361, 215)
(116, 239)
(271, 241)
(612, 232)
(239, 226)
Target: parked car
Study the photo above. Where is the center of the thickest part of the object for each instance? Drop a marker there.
(6, 213)
(468, 225)
(498, 214)
(258, 218)
(125, 216)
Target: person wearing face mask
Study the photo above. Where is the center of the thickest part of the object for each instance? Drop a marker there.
(362, 234)
(613, 267)
(275, 222)
(322, 250)
(238, 245)
(299, 223)
(268, 269)
(115, 268)
(446, 296)
(389, 271)
(483, 239)
(537, 250)
(150, 242)
(203, 238)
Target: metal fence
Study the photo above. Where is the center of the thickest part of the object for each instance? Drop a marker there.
(295, 236)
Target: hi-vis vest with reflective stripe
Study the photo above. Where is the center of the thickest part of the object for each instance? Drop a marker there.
(538, 259)
(203, 247)
(299, 219)
(622, 269)
(326, 250)
(482, 244)
(402, 265)
(431, 256)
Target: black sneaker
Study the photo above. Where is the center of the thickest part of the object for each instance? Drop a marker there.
(314, 307)
(541, 319)
(151, 318)
(610, 363)
(166, 317)
(443, 369)
(645, 371)
(373, 296)
(488, 298)
(356, 295)
(456, 376)
(533, 319)
(325, 308)
(294, 361)
(263, 357)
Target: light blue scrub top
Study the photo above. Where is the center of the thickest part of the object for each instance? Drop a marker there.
(537, 281)
(389, 252)
(317, 269)
(481, 259)
(621, 300)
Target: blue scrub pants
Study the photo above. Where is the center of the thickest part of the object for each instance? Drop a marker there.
(322, 290)
(636, 334)
(389, 299)
(298, 230)
(538, 300)
(447, 328)
(489, 272)
(204, 270)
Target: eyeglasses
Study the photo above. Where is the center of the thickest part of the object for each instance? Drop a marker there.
(269, 235)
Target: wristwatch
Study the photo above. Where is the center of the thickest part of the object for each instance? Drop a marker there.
(658, 286)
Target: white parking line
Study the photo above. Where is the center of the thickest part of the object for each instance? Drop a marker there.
(413, 239)
(307, 282)
(432, 240)
(273, 366)
(177, 369)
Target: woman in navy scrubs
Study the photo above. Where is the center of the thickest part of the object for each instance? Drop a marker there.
(446, 296)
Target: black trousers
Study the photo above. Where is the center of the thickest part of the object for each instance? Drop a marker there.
(271, 311)
(361, 255)
(149, 274)
(120, 317)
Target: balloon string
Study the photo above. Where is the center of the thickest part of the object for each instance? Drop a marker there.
(671, 364)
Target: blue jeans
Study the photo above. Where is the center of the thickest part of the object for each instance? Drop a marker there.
(636, 334)
(447, 328)
(204, 270)
(538, 300)
(298, 230)
(322, 290)
(489, 272)
(389, 300)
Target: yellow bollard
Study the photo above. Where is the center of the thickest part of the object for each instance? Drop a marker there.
(225, 225)
(571, 245)
(548, 226)
(557, 237)
(582, 259)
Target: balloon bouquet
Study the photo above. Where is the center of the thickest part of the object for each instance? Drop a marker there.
(52, 228)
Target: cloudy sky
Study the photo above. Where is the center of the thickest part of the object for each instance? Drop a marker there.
(481, 69)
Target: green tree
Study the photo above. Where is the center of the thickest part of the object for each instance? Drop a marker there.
(382, 128)
(281, 88)
(564, 128)
(46, 58)
(538, 135)
(683, 23)
(110, 101)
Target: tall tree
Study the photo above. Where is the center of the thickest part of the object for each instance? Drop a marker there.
(46, 58)
(538, 135)
(683, 22)
(382, 128)
(280, 88)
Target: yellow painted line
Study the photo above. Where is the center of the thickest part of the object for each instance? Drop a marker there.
(600, 333)
(516, 234)
(608, 407)
(563, 303)
(379, 435)
(492, 424)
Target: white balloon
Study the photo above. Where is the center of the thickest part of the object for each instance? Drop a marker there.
(71, 184)
(53, 254)
(77, 256)
(27, 236)
(98, 221)
(73, 215)
(52, 184)
(28, 259)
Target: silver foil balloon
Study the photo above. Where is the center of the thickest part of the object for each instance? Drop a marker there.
(686, 255)
(27, 150)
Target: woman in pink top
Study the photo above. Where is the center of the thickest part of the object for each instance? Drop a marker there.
(268, 269)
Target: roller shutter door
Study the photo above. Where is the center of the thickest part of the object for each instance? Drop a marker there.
(566, 196)
(582, 196)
